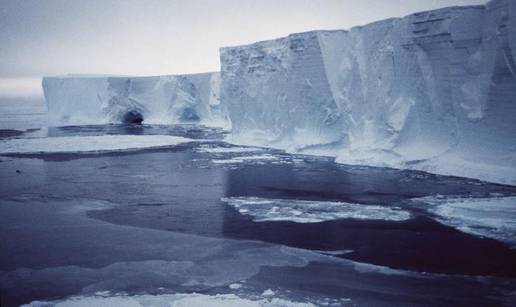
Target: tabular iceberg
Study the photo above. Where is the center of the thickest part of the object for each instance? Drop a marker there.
(434, 91)
(170, 99)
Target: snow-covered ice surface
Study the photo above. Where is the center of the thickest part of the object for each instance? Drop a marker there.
(302, 211)
(171, 300)
(493, 217)
(432, 91)
(83, 99)
(74, 144)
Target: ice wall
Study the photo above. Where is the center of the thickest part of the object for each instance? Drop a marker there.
(111, 99)
(434, 91)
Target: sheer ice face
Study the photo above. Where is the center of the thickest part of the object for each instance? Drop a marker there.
(105, 99)
(434, 91)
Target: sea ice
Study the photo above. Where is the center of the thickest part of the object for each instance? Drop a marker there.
(170, 300)
(235, 286)
(487, 217)
(268, 292)
(303, 211)
(101, 143)
(229, 149)
(242, 159)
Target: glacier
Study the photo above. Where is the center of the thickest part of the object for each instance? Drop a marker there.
(172, 99)
(432, 91)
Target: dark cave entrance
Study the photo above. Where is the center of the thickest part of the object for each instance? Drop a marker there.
(133, 117)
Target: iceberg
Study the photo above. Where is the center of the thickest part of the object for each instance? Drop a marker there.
(432, 91)
(85, 99)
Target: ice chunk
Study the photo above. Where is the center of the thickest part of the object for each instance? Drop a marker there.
(302, 211)
(80, 99)
(242, 159)
(171, 300)
(235, 286)
(229, 149)
(418, 92)
(101, 143)
(268, 292)
(488, 217)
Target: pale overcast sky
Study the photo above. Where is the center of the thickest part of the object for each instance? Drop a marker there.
(147, 37)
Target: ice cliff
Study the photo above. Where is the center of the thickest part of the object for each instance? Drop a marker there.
(433, 91)
(83, 99)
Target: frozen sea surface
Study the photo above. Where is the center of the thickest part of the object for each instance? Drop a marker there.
(302, 211)
(176, 300)
(493, 217)
(149, 226)
(77, 144)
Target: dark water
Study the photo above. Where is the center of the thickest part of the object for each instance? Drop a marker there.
(419, 244)
(165, 205)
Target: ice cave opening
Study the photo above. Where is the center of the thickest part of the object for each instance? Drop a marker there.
(132, 117)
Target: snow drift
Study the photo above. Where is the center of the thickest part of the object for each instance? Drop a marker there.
(83, 99)
(434, 91)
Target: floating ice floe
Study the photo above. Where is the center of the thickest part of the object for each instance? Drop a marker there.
(268, 292)
(229, 149)
(88, 143)
(241, 159)
(303, 211)
(171, 300)
(487, 217)
(235, 286)
(335, 252)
